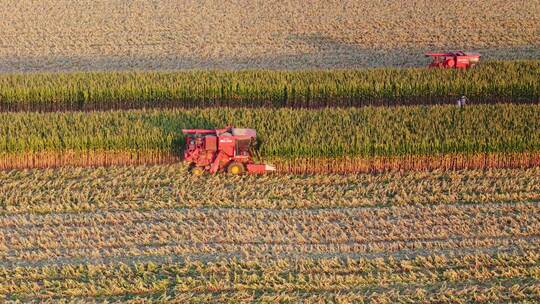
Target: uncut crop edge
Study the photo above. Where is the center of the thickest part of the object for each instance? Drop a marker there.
(52, 159)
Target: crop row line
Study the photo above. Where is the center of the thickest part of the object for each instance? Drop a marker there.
(264, 250)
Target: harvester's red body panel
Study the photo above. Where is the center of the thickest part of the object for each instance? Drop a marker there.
(216, 150)
(456, 60)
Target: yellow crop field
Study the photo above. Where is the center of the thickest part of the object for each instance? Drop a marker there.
(127, 132)
(157, 235)
(166, 34)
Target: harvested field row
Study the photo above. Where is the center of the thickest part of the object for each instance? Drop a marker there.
(55, 35)
(170, 186)
(504, 276)
(224, 226)
(285, 133)
(258, 233)
(220, 268)
(179, 251)
(496, 290)
(143, 234)
(494, 82)
(111, 218)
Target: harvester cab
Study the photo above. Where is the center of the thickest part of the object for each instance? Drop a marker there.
(456, 60)
(229, 150)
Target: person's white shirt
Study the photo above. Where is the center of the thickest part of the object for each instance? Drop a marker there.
(461, 102)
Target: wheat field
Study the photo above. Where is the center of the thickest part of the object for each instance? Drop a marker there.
(55, 35)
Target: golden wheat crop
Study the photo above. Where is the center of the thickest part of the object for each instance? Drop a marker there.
(166, 34)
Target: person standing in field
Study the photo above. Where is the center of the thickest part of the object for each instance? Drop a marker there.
(462, 101)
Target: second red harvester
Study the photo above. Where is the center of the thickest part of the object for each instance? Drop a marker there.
(456, 60)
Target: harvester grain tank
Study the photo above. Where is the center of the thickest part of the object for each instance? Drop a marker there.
(229, 150)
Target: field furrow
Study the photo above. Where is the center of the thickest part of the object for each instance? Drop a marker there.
(118, 189)
(268, 232)
(292, 227)
(316, 277)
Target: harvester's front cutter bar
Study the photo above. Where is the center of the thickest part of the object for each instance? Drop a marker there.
(260, 168)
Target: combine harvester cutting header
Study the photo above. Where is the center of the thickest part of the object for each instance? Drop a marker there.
(222, 150)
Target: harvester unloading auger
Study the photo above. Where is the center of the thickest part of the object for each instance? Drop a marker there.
(229, 150)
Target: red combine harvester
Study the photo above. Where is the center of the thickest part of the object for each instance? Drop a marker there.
(230, 149)
(457, 60)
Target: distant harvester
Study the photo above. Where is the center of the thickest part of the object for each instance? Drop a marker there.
(456, 60)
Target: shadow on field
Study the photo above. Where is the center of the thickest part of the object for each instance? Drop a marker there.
(326, 52)
(171, 125)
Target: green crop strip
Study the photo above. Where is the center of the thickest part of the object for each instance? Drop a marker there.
(504, 81)
(369, 131)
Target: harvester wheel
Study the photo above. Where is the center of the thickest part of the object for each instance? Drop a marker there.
(236, 168)
(197, 171)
